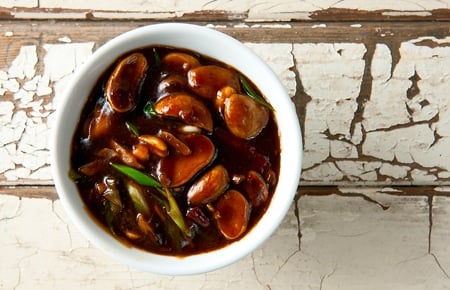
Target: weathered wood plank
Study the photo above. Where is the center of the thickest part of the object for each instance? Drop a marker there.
(371, 99)
(248, 10)
(367, 193)
(324, 242)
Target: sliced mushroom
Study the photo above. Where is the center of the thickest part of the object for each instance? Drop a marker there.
(123, 85)
(186, 108)
(141, 152)
(232, 213)
(125, 155)
(173, 83)
(101, 121)
(223, 94)
(175, 170)
(209, 186)
(244, 117)
(207, 80)
(155, 144)
(92, 168)
(108, 188)
(180, 62)
(175, 143)
(256, 188)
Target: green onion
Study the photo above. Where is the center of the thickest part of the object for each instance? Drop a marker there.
(252, 94)
(174, 212)
(149, 110)
(157, 58)
(138, 176)
(170, 204)
(132, 127)
(137, 197)
(74, 175)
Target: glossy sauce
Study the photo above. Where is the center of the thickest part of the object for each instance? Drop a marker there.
(90, 167)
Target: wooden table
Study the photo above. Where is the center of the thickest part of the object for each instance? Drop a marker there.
(371, 83)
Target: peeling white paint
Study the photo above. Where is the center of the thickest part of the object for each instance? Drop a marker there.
(255, 10)
(331, 75)
(61, 59)
(388, 94)
(274, 54)
(423, 175)
(325, 170)
(65, 39)
(391, 127)
(343, 150)
(24, 65)
(396, 172)
(24, 120)
(322, 25)
(387, 145)
(359, 170)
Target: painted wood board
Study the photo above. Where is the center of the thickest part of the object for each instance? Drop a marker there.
(248, 10)
(373, 106)
(325, 242)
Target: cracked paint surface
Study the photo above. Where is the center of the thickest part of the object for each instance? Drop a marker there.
(402, 130)
(368, 117)
(384, 241)
(27, 101)
(250, 10)
(373, 114)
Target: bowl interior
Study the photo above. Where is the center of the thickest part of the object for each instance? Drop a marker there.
(207, 42)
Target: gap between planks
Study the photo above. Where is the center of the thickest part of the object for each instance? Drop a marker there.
(48, 191)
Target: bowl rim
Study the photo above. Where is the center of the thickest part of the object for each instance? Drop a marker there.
(183, 36)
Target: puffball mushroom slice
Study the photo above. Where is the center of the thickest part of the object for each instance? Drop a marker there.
(180, 62)
(256, 188)
(176, 169)
(209, 186)
(186, 108)
(207, 80)
(244, 117)
(232, 213)
(123, 85)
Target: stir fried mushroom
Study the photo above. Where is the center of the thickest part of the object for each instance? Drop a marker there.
(186, 108)
(125, 155)
(125, 82)
(232, 213)
(171, 84)
(175, 170)
(179, 62)
(207, 80)
(155, 144)
(209, 186)
(256, 188)
(179, 162)
(175, 143)
(244, 117)
(101, 121)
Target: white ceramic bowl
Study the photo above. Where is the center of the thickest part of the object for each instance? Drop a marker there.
(207, 42)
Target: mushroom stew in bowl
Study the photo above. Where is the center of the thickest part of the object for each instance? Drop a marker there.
(175, 153)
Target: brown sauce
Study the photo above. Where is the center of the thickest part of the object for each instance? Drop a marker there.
(105, 137)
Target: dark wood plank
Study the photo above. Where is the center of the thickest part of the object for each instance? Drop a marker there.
(218, 15)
